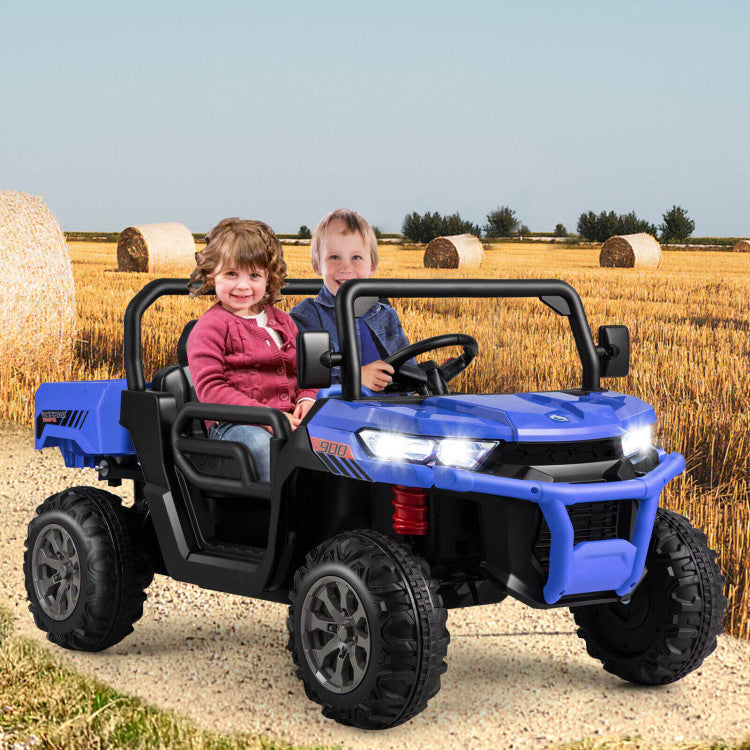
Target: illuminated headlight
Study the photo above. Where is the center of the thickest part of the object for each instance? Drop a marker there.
(457, 452)
(637, 440)
(394, 446)
(463, 454)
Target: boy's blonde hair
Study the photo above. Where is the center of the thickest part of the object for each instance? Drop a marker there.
(353, 223)
(246, 244)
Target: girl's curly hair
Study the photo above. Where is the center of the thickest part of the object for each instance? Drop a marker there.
(246, 244)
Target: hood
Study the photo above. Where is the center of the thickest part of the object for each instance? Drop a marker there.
(524, 417)
(555, 415)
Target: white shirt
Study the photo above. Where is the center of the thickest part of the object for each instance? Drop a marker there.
(262, 320)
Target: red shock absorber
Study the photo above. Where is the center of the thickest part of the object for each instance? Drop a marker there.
(409, 510)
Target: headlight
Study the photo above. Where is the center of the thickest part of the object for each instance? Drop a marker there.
(395, 446)
(463, 454)
(637, 440)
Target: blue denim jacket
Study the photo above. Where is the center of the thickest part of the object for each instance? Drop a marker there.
(319, 315)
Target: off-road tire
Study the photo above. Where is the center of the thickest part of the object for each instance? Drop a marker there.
(408, 637)
(113, 568)
(671, 623)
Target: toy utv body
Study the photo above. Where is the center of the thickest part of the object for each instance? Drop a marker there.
(383, 509)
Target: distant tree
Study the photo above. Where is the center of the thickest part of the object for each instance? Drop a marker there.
(609, 225)
(676, 226)
(502, 222)
(631, 224)
(411, 227)
(523, 229)
(454, 224)
(430, 225)
(587, 226)
(304, 232)
(561, 231)
(599, 228)
(378, 233)
(419, 228)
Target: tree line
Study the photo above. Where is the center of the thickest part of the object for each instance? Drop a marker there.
(501, 222)
(676, 225)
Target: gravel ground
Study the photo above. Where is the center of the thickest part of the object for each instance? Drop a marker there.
(517, 677)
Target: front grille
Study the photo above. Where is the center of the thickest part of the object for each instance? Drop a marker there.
(592, 522)
(547, 454)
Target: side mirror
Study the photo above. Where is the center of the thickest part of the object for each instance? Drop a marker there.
(614, 351)
(314, 359)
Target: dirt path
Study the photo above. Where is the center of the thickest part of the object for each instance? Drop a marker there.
(517, 677)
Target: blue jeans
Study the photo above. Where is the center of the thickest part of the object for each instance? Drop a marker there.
(257, 439)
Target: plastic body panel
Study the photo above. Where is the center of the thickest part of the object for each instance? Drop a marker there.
(82, 419)
(588, 567)
(530, 417)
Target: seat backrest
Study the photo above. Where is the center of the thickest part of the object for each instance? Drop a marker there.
(182, 358)
(176, 379)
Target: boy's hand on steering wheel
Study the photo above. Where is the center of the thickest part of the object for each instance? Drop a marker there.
(377, 375)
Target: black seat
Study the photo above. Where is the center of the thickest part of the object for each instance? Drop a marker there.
(176, 379)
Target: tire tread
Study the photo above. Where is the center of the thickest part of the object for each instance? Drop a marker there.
(689, 633)
(114, 569)
(409, 675)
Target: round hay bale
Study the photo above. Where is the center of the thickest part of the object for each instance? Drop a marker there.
(154, 247)
(455, 251)
(743, 246)
(630, 251)
(38, 313)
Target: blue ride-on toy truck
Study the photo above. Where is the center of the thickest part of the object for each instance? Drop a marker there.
(383, 511)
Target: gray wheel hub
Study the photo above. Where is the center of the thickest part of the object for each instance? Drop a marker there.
(56, 572)
(335, 634)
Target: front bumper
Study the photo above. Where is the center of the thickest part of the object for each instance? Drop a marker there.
(587, 567)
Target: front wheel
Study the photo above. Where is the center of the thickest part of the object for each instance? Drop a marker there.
(367, 630)
(85, 569)
(671, 622)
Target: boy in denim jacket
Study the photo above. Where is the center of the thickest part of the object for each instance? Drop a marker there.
(344, 247)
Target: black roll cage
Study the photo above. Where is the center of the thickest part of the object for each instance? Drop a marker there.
(558, 295)
(132, 343)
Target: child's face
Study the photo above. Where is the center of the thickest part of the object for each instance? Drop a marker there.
(240, 290)
(343, 257)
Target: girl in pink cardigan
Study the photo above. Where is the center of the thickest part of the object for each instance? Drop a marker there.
(243, 349)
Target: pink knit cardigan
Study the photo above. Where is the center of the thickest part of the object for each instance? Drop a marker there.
(234, 361)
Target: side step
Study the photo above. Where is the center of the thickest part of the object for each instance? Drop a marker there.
(228, 568)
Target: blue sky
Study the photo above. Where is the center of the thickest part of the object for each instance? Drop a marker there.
(183, 111)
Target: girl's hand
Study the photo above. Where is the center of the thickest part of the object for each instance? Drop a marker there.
(377, 375)
(301, 409)
(293, 421)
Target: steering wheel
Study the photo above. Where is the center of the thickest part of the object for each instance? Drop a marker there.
(428, 377)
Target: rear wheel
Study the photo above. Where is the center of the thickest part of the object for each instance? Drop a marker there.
(85, 569)
(672, 620)
(367, 630)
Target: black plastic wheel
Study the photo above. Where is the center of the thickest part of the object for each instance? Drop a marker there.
(85, 569)
(367, 630)
(671, 622)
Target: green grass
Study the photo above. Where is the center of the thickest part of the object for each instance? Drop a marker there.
(44, 703)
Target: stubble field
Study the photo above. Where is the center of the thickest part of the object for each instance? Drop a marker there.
(689, 324)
